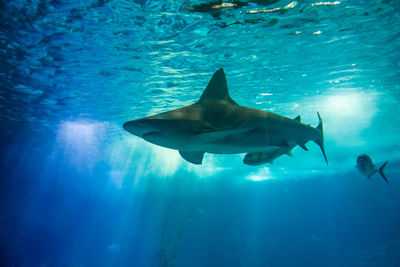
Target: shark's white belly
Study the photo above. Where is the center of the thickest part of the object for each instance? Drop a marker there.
(217, 142)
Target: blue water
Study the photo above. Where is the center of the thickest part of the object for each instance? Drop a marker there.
(78, 190)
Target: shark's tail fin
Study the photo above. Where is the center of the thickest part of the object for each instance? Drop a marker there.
(320, 140)
(381, 172)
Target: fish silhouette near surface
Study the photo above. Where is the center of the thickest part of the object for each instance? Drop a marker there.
(367, 168)
(217, 124)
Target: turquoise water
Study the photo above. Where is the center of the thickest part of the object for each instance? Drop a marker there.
(78, 190)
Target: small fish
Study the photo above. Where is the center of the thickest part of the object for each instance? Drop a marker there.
(367, 168)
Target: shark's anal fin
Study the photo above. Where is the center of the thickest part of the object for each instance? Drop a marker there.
(195, 157)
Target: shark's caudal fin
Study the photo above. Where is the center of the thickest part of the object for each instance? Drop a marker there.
(320, 140)
(217, 89)
(381, 172)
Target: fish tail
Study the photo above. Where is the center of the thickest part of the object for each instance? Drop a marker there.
(381, 172)
(320, 140)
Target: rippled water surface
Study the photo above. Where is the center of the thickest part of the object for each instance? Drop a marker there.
(78, 190)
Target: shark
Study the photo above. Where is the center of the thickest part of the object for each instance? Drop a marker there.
(217, 124)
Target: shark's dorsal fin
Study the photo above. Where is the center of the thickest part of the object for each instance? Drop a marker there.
(195, 157)
(298, 118)
(303, 146)
(217, 89)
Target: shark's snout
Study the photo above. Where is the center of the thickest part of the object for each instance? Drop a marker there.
(139, 127)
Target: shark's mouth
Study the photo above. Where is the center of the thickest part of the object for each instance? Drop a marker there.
(137, 127)
(151, 136)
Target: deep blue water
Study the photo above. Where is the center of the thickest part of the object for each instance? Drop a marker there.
(78, 190)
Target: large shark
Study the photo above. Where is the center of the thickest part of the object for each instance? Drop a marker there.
(216, 124)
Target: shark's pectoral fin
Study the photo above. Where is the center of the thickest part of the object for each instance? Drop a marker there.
(195, 157)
